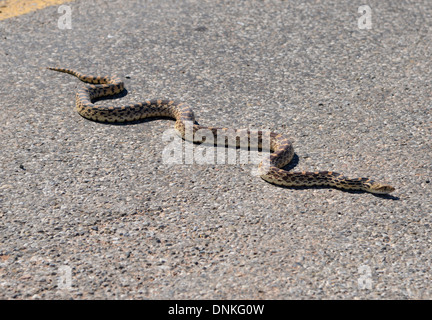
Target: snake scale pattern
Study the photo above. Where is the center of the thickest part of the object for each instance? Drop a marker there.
(272, 171)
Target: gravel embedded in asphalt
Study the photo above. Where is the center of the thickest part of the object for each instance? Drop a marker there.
(91, 211)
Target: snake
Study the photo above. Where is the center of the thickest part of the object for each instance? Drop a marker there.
(272, 170)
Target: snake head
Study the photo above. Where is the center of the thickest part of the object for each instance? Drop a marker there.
(380, 188)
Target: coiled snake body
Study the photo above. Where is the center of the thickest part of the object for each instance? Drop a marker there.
(271, 171)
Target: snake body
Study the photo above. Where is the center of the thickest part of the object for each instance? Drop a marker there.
(271, 171)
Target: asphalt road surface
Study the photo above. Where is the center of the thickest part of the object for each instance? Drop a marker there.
(94, 211)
